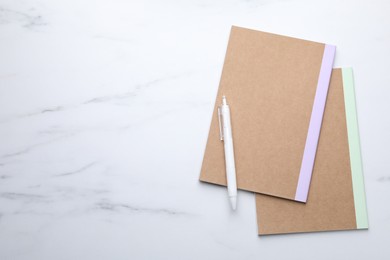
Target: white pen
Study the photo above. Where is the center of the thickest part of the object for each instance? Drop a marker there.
(225, 133)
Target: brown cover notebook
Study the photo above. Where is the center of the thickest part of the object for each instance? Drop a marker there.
(276, 87)
(336, 198)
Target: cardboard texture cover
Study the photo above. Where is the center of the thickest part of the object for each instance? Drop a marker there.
(276, 87)
(336, 198)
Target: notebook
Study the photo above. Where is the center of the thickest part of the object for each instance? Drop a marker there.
(276, 87)
(336, 198)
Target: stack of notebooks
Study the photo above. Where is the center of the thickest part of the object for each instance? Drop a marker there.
(295, 134)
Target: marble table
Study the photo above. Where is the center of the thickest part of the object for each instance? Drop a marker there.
(104, 114)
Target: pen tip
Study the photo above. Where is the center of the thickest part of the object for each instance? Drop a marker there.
(233, 202)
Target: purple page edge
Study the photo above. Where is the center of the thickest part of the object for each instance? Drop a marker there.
(315, 124)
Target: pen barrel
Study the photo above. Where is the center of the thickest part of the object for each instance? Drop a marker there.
(229, 152)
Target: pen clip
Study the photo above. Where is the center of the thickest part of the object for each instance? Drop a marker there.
(220, 124)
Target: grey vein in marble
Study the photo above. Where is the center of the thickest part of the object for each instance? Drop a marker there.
(133, 93)
(52, 130)
(95, 100)
(105, 205)
(82, 169)
(31, 114)
(384, 179)
(22, 196)
(26, 19)
(33, 146)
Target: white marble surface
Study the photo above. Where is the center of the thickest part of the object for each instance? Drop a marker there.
(104, 114)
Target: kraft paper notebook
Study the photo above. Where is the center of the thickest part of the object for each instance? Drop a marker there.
(336, 198)
(276, 87)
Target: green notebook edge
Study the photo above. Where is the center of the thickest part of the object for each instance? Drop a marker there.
(354, 150)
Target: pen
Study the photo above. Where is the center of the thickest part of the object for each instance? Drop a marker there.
(225, 133)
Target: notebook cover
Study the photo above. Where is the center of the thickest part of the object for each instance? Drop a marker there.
(276, 87)
(336, 198)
